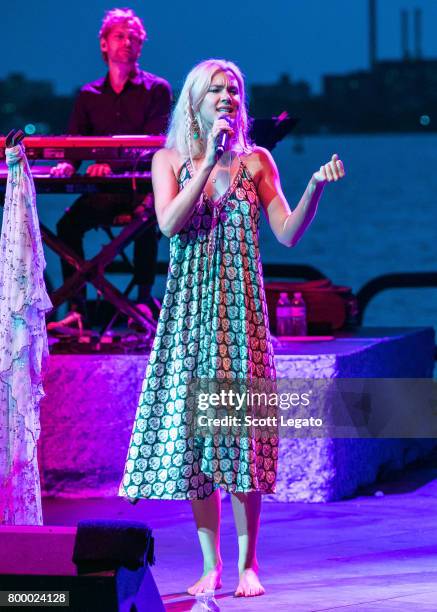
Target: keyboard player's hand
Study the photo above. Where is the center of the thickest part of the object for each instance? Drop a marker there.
(98, 170)
(63, 169)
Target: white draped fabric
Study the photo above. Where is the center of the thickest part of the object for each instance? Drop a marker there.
(23, 345)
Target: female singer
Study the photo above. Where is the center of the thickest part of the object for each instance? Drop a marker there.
(213, 323)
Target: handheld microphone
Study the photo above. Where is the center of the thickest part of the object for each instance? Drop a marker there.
(222, 141)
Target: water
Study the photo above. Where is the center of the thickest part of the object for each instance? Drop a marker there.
(379, 219)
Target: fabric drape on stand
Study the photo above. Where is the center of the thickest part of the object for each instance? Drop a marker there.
(23, 345)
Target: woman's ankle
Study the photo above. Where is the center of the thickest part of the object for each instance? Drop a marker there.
(215, 566)
(254, 566)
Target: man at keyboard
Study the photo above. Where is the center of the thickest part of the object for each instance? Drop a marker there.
(126, 101)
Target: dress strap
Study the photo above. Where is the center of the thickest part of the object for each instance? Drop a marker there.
(248, 173)
(185, 166)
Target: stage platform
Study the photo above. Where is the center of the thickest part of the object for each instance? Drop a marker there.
(374, 553)
(91, 400)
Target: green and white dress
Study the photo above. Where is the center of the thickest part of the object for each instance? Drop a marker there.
(214, 325)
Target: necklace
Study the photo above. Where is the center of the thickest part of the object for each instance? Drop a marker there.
(222, 179)
(221, 182)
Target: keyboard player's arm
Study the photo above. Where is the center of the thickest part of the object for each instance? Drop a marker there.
(79, 125)
(157, 118)
(66, 169)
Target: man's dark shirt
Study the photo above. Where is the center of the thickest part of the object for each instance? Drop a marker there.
(142, 107)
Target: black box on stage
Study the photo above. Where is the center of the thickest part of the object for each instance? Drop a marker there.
(36, 558)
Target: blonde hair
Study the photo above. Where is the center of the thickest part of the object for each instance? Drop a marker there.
(119, 16)
(187, 111)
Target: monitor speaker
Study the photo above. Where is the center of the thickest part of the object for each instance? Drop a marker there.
(39, 559)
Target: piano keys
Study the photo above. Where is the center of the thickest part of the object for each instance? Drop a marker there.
(104, 148)
(139, 182)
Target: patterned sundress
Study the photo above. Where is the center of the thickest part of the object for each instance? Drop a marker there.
(213, 324)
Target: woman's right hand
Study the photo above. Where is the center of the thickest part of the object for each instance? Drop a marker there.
(219, 125)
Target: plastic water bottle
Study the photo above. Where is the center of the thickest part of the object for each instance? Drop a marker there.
(283, 316)
(205, 602)
(298, 315)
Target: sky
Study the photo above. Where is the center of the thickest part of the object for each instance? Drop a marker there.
(57, 41)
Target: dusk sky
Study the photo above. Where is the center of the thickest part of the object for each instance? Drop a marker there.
(306, 38)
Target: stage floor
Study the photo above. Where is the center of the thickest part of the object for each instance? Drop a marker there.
(371, 553)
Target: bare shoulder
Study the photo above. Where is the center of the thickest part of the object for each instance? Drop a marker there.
(261, 153)
(167, 159)
(164, 156)
(259, 160)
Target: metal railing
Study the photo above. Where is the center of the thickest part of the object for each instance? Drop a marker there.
(287, 272)
(399, 280)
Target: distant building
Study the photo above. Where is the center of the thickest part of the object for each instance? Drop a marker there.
(25, 101)
(391, 96)
(267, 100)
(395, 96)
(285, 95)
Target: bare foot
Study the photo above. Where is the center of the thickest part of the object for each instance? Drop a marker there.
(210, 580)
(249, 585)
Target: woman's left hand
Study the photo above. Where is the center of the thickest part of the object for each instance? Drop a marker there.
(332, 171)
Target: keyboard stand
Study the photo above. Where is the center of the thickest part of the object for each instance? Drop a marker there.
(92, 270)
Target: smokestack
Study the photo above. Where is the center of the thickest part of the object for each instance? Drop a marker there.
(418, 34)
(404, 35)
(372, 33)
